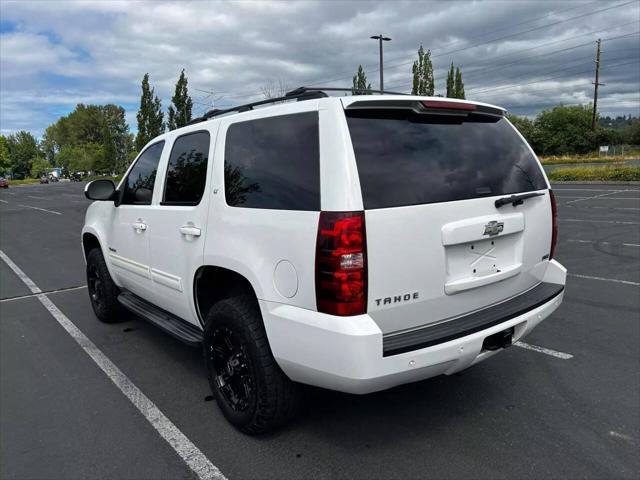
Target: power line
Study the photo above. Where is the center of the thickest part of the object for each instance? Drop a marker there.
(554, 77)
(504, 37)
(522, 59)
(467, 47)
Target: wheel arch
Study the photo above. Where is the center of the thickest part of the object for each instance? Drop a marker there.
(212, 284)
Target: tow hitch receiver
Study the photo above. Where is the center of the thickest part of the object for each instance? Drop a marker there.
(498, 340)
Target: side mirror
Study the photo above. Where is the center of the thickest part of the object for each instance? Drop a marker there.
(100, 190)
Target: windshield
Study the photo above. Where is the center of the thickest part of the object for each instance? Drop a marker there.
(405, 158)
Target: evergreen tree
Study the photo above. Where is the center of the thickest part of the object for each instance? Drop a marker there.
(423, 82)
(360, 82)
(451, 89)
(179, 113)
(150, 117)
(459, 85)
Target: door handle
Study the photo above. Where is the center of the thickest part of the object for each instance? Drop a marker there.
(139, 226)
(190, 230)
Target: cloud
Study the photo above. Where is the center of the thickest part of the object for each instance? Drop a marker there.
(56, 54)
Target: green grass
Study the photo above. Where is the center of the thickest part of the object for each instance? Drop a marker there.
(582, 159)
(604, 174)
(26, 181)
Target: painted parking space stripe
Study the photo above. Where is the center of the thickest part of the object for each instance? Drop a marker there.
(192, 455)
(597, 221)
(547, 351)
(49, 292)
(4, 201)
(602, 279)
(572, 240)
(41, 209)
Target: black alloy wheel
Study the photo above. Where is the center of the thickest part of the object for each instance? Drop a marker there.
(95, 285)
(232, 369)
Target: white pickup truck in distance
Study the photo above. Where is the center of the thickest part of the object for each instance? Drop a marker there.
(351, 243)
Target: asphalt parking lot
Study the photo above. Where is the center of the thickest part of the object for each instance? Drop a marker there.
(569, 409)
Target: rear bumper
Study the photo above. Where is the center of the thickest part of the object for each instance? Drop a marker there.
(347, 354)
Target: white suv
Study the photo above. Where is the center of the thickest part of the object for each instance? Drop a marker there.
(351, 243)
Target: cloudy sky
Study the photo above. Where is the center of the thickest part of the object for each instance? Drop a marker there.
(524, 55)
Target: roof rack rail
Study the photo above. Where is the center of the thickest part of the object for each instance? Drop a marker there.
(299, 90)
(300, 94)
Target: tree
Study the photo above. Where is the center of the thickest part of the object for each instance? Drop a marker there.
(39, 167)
(5, 160)
(451, 87)
(565, 130)
(423, 82)
(115, 138)
(360, 83)
(631, 134)
(527, 128)
(273, 89)
(90, 125)
(179, 113)
(459, 85)
(82, 158)
(455, 86)
(150, 117)
(23, 149)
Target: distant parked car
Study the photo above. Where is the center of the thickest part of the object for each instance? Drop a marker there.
(44, 180)
(4, 183)
(75, 177)
(53, 178)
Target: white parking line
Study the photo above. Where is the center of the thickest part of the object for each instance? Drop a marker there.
(595, 190)
(613, 280)
(192, 456)
(42, 209)
(598, 221)
(37, 198)
(594, 197)
(70, 289)
(599, 208)
(603, 243)
(548, 351)
(4, 201)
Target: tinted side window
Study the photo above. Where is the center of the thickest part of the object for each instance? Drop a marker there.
(138, 187)
(187, 169)
(274, 163)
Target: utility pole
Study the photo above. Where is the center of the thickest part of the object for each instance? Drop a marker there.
(381, 39)
(596, 85)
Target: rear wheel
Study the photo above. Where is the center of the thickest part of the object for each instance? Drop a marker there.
(103, 293)
(252, 391)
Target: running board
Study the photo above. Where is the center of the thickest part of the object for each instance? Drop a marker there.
(175, 326)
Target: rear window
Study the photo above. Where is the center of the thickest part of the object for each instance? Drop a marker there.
(274, 163)
(405, 158)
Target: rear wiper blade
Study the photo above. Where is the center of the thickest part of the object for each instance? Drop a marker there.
(516, 200)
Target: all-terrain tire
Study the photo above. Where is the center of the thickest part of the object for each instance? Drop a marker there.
(103, 293)
(274, 398)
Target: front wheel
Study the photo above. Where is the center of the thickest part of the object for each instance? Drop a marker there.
(103, 293)
(252, 391)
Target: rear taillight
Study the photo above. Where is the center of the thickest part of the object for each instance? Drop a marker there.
(554, 223)
(341, 264)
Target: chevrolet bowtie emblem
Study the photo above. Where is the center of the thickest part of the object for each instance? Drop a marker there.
(493, 228)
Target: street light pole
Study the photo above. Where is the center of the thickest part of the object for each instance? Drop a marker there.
(381, 39)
